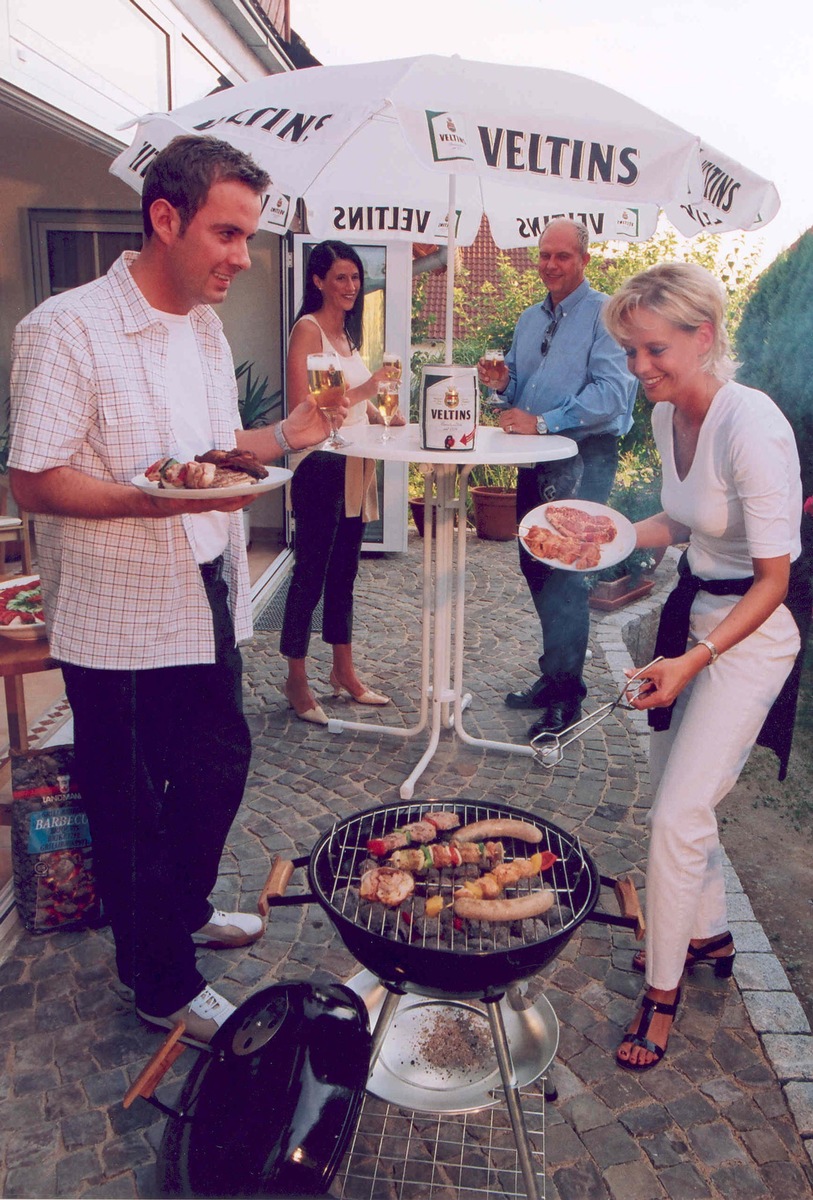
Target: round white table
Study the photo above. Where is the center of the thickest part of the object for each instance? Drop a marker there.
(444, 572)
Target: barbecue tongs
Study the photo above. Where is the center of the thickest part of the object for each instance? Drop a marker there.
(549, 748)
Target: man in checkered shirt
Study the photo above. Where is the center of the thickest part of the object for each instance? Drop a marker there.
(146, 597)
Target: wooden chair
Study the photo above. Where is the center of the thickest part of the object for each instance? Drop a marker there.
(17, 529)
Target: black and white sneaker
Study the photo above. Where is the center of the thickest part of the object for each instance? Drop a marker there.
(224, 930)
(202, 1016)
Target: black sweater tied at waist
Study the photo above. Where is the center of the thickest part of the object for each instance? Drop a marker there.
(673, 634)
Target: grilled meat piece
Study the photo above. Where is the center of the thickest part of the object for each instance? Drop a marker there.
(245, 461)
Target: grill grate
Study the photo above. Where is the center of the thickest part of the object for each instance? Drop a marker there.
(401, 1155)
(343, 857)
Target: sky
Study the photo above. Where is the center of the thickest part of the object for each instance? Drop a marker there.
(738, 73)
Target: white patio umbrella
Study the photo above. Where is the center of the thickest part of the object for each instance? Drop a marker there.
(388, 150)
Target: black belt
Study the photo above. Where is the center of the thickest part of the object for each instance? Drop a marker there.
(212, 572)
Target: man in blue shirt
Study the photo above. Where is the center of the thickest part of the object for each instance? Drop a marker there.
(563, 374)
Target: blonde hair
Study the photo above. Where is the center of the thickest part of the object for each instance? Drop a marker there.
(684, 294)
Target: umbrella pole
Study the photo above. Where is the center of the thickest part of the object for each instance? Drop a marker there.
(450, 254)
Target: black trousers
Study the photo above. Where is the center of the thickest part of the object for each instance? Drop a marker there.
(162, 757)
(328, 547)
(561, 597)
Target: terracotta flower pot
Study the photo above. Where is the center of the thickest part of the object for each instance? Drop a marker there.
(610, 594)
(416, 508)
(495, 512)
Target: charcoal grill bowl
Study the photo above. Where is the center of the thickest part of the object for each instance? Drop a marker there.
(448, 973)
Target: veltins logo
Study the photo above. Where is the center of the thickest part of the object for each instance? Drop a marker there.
(276, 210)
(447, 137)
(627, 222)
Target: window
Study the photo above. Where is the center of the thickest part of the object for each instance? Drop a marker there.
(73, 247)
(114, 39)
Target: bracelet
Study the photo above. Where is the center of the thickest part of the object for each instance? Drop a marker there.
(712, 649)
(281, 439)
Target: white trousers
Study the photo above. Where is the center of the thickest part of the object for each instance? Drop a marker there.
(694, 764)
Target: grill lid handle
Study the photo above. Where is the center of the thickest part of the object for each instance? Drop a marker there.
(156, 1069)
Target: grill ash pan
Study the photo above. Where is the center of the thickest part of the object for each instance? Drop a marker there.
(443, 957)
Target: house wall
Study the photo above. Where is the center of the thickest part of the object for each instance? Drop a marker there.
(46, 169)
(59, 128)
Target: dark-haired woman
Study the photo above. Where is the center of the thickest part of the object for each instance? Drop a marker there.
(332, 495)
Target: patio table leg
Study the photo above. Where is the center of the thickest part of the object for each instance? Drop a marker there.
(459, 638)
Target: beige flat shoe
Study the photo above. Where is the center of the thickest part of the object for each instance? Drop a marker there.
(315, 714)
(365, 696)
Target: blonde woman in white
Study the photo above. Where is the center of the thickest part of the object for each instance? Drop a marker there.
(731, 489)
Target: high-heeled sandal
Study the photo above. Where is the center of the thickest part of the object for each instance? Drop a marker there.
(315, 714)
(649, 1009)
(365, 696)
(723, 963)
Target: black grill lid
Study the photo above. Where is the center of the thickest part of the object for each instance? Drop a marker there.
(270, 1113)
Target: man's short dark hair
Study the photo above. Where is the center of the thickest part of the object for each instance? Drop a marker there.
(185, 170)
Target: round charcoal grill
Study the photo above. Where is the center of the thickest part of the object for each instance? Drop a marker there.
(307, 1051)
(444, 957)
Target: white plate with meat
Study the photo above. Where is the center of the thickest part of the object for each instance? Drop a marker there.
(21, 616)
(276, 477)
(576, 535)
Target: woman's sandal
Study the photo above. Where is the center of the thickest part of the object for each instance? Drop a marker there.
(649, 1009)
(365, 696)
(723, 963)
(315, 714)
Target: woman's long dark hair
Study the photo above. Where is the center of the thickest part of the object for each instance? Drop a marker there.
(320, 260)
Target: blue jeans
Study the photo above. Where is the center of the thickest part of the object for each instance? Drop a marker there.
(561, 597)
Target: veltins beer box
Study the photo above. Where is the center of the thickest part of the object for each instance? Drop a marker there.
(450, 407)
(52, 858)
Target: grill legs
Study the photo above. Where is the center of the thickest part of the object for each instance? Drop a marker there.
(507, 1074)
(385, 1019)
(515, 1112)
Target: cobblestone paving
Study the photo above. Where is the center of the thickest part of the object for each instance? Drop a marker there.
(711, 1121)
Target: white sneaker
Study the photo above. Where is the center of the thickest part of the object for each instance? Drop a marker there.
(224, 930)
(202, 1016)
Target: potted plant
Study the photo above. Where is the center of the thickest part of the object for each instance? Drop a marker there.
(493, 492)
(258, 407)
(626, 581)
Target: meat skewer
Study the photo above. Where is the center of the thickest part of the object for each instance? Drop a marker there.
(423, 831)
(447, 854)
(494, 882)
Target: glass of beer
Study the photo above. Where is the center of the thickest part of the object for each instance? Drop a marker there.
(392, 365)
(388, 405)
(326, 385)
(491, 363)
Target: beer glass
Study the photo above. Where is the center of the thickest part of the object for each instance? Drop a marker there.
(491, 362)
(392, 365)
(326, 385)
(387, 405)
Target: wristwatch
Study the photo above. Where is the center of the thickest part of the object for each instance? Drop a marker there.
(541, 425)
(281, 439)
(712, 649)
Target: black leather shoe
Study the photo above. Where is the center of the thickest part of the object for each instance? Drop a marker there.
(557, 716)
(533, 697)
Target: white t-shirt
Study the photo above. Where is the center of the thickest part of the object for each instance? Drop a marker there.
(191, 425)
(742, 497)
